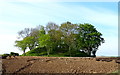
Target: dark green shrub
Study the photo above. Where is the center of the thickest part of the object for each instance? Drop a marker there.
(14, 54)
(5, 55)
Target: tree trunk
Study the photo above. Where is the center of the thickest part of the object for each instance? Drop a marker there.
(89, 52)
(24, 52)
(70, 51)
(94, 53)
(48, 52)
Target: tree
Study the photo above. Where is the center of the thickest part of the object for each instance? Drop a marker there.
(21, 45)
(34, 36)
(68, 38)
(53, 30)
(25, 33)
(30, 42)
(26, 38)
(44, 41)
(30, 36)
(88, 38)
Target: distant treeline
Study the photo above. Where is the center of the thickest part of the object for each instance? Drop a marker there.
(67, 38)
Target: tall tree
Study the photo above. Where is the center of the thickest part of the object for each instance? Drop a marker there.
(54, 33)
(89, 39)
(30, 36)
(21, 45)
(35, 34)
(69, 30)
(25, 36)
(44, 41)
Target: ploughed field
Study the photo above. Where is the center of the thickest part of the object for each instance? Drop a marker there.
(34, 64)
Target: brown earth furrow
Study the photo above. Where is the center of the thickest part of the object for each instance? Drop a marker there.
(59, 65)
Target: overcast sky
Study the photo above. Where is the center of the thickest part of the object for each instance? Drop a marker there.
(17, 15)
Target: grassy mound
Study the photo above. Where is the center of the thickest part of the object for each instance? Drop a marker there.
(43, 52)
(36, 52)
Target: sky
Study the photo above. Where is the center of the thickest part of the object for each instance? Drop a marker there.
(15, 15)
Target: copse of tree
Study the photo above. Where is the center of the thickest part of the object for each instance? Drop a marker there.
(65, 38)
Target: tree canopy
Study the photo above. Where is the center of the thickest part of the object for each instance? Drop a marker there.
(67, 38)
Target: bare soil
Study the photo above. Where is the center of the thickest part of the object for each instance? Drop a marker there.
(74, 65)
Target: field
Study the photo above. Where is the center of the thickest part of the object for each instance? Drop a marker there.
(76, 65)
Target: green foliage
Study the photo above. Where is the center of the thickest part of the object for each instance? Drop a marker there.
(69, 30)
(14, 54)
(68, 39)
(89, 38)
(5, 54)
(11, 54)
(43, 52)
(22, 45)
(44, 40)
(29, 41)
